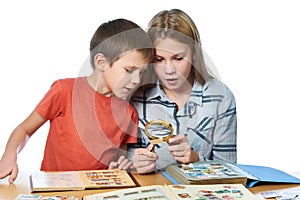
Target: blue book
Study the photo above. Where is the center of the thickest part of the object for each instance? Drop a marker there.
(263, 174)
(253, 175)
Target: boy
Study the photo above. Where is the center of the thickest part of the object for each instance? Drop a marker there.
(90, 121)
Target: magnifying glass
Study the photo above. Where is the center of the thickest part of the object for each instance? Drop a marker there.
(158, 131)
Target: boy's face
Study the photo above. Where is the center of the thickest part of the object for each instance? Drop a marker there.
(124, 74)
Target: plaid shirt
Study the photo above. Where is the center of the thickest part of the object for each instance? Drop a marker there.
(208, 120)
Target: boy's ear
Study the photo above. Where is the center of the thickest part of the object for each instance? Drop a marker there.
(100, 62)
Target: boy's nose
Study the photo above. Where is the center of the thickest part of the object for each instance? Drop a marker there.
(136, 78)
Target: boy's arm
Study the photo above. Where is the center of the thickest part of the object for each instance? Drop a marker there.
(16, 142)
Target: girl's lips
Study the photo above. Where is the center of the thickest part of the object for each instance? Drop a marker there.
(172, 81)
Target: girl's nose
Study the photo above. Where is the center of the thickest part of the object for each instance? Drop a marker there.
(169, 69)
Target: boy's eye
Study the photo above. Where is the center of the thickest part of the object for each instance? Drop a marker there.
(143, 71)
(129, 70)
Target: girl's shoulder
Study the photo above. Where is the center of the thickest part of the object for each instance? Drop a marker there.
(215, 83)
(217, 86)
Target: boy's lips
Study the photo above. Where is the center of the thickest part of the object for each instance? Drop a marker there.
(127, 89)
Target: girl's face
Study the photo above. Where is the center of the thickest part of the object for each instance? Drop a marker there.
(124, 74)
(172, 64)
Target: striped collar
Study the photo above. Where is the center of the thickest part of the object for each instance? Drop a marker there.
(195, 97)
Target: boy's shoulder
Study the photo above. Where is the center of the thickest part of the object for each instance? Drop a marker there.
(65, 85)
(68, 81)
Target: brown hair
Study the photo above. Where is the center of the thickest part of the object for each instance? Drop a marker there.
(118, 36)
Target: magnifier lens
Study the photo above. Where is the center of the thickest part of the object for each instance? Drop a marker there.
(159, 129)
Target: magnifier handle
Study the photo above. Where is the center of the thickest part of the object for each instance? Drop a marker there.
(151, 149)
(155, 142)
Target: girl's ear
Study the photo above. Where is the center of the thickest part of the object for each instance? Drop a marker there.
(100, 62)
(193, 58)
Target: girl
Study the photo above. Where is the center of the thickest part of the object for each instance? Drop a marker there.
(181, 90)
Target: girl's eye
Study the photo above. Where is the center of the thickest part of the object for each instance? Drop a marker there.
(178, 58)
(158, 59)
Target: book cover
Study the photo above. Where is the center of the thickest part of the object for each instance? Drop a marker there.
(79, 180)
(170, 192)
(264, 174)
(206, 172)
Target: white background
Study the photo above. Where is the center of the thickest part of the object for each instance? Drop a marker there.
(253, 44)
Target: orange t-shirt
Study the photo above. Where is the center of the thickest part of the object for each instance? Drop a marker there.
(86, 128)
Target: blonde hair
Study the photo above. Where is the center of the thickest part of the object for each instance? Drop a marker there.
(177, 25)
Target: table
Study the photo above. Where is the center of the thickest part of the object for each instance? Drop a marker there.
(21, 186)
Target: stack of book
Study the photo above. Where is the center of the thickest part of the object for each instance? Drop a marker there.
(210, 172)
(214, 172)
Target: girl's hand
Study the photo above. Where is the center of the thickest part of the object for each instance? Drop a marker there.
(181, 150)
(144, 160)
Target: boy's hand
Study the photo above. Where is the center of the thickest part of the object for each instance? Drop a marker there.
(181, 150)
(8, 167)
(122, 164)
(144, 160)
